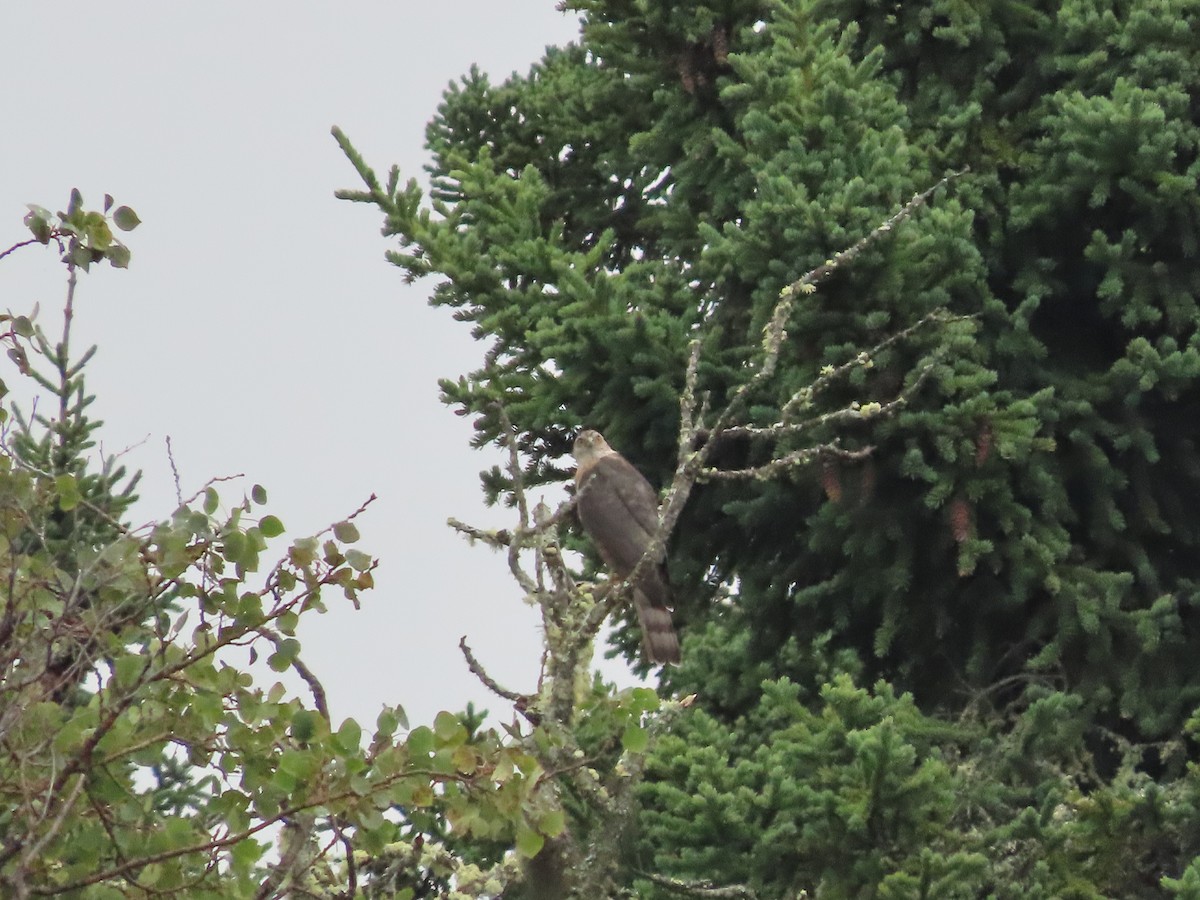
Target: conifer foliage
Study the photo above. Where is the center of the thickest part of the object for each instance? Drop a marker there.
(952, 653)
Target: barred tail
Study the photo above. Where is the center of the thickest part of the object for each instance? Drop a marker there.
(652, 600)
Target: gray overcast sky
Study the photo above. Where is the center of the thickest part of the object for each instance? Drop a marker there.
(258, 325)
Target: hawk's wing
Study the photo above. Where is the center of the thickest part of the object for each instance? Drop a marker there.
(619, 509)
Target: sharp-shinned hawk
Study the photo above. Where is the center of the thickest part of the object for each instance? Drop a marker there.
(619, 511)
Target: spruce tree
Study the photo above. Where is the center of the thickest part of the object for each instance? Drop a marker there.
(952, 654)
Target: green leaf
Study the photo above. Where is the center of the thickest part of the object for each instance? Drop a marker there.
(465, 759)
(285, 654)
(358, 560)
(99, 235)
(304, 724)
(529, 842)
(270, 526)
(129, 669)
(387, 723)
(449, 729)
(635, 738)
(300, 764)
(234, 545)
(246, 853)
(80, 256)
(303, 552)
(644, 699)
(23, 326)
(553, 823)
(211, 501)
(349, 737)
(258, 494)
(68, 492)
(69, 737)
(125, 218)
(346, 532)
(118, 256)
(420, 741)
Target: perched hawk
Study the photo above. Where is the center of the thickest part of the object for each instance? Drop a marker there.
(619, 511)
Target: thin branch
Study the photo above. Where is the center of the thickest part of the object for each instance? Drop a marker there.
(19, 245)
(490, 683)
(351, 866)
(702, 888)
(792, 460)
(495, 539)
(803, 397)
(174, 472)
(855, 412)
(529, 585)
(687, 400)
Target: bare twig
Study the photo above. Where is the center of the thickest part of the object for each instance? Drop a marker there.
(803, 398)
(703, 888)
(17, 246)
(174, 472)
(495, 539)
(529, 585)
(490, 683)
(784, 463)
(351, 866)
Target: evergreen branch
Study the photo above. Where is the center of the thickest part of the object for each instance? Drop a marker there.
(803, 397)
(374, 193)
(776, 330)
(691, 462)
(855, 412)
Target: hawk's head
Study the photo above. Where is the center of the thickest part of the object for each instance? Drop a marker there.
(590, 445)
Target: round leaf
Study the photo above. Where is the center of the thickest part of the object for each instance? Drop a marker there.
(125, 218)
(270, 526)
